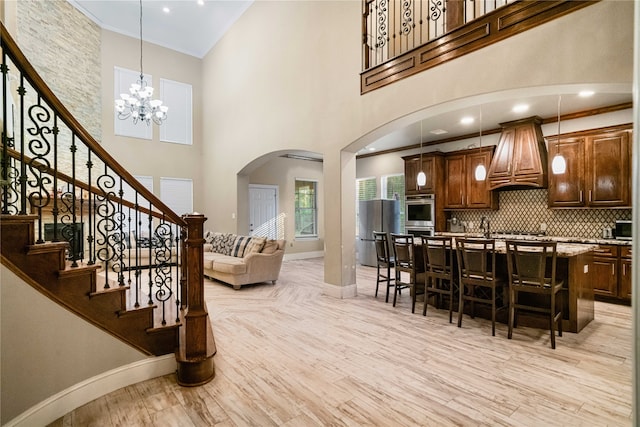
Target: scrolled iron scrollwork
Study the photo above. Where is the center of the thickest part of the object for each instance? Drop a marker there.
(407, 17)
(162, 253)
(436, 9)
(382, 24)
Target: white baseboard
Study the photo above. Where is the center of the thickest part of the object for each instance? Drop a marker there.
(84, 392)
(303, 255)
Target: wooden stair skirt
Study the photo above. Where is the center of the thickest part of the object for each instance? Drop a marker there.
(45, 268)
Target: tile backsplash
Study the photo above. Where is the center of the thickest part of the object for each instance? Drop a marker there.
(525, 210)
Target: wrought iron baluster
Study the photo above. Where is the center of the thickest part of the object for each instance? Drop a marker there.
(23, 163)
(76, 250)
(91, 232)
(150, 234)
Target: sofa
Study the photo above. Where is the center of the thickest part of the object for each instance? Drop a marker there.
(242, 260)
(140, 252)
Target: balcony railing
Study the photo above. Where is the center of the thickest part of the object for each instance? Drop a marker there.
(403, 37)
(394, 27)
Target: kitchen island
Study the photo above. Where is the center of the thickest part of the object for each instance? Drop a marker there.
(572, 267)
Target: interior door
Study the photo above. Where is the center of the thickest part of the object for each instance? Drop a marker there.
(263, 211)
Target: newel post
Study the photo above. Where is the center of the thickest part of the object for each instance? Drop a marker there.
(197, 346)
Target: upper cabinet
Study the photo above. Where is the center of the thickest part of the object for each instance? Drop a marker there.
(431, 166)
(598, 169)
(520, 158)
(462, 191)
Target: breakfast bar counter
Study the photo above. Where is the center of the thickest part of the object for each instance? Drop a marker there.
(572, 267)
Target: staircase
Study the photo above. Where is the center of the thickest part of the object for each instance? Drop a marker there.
(70, 214)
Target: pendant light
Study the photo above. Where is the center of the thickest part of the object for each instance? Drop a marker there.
(422, 177)
(559, 164)
(138, 103)
(481, 170)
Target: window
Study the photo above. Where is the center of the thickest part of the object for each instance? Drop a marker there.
(178, 126)
(122, 80)
(393, 187)
(136, 219)
(177, 193)
(306, 208)
(366, 188)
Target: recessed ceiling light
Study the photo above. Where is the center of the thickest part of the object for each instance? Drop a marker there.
(467, 120)
(200, 2)
(372, 148)
(520, 108)
(438, 131)
(166, 9)
(586, 93)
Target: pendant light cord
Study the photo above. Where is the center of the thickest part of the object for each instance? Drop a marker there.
(558, 143)
(141, 72)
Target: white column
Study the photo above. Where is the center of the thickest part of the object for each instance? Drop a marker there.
(339, 213)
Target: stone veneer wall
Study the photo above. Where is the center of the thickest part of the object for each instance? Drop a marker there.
(524, 210)
(64, 46)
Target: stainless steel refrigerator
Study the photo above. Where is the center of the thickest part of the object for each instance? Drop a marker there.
(375, 215)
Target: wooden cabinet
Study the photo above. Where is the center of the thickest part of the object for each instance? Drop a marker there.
(598, 171)
(462, 191)
(431, 166)
(625, 272)
(611, 271)
(520, 158)
(604, 270)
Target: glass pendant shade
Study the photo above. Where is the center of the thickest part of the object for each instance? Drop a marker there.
(480, 173)
(558, 164)
(422, 179)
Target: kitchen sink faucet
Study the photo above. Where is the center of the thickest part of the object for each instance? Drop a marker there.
(485, 225)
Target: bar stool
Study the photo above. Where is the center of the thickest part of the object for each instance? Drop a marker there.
(438, 266)
(478, 282)
(532, 270)
(405, 262)
(384, 261)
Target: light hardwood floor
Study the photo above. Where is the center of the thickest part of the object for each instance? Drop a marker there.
(289, 356)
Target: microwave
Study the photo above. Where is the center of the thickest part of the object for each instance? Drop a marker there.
(420, 211)
(623, 230)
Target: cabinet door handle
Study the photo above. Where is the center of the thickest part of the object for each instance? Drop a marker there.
(624, 269)
(613, 270)
(580, 196)
(590, 199)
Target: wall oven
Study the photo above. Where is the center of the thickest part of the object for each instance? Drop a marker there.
(420, 215)
(419, 211)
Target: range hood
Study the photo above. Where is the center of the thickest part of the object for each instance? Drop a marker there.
(520, 159)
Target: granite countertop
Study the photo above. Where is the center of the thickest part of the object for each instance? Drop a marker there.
(567, 246)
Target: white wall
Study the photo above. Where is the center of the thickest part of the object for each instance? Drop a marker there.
(152, 157)
(47, 349)
(286, 76)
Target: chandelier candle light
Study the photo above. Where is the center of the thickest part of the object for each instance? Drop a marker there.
(138, 103)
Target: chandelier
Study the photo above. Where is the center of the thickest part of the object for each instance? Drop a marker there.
(138, 103)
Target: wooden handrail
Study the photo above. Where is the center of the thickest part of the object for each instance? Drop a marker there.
(47, 94)
(69, 180)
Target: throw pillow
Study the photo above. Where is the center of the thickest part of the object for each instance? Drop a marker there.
(240, 245)
(208, 236)
(255, 245)
(222, 243)
(270, 247)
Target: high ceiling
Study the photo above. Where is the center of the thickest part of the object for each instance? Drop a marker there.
(190, 26)
(194, 27)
